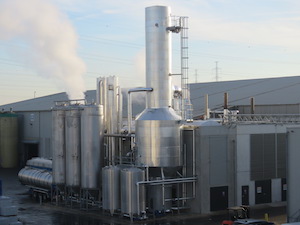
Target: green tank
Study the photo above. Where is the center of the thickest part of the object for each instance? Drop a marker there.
(8, 140)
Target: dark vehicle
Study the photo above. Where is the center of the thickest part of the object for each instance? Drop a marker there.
(252, 222)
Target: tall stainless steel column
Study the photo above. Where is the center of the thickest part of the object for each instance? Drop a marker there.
(158, 56)
(158, 135)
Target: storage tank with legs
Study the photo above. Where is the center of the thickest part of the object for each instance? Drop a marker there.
(157, 195)
(72, 130)
(132, 195)
(111, 188)
(58, 146)
(91, 146)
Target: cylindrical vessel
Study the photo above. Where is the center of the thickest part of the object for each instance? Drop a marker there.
(158, 138)
(72, 130)
(8, 140)
(91, 146)
(111, 188)
(158, 56)
(40, 163)
(58, 146)
(132, 199)
(35, 177)
(157, 195)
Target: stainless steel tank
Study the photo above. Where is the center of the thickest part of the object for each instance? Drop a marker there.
(58, 146)
(91, 146)
(35, 177)
(40, 163)
(158, 138)
(72, 129)
(156, 198)
(132, 202)
(110, 96)
(111, 188)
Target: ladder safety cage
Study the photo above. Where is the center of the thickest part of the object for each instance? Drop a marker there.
(180, 24)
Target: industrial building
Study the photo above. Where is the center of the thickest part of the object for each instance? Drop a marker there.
(165, 159)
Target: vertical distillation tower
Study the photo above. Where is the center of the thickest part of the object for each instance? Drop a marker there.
(158, 126)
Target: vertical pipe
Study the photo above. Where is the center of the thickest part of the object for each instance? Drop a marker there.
(252, 103)
(194, 161)
(120, 106)
(129, 113)
(225, 100)
(206, 110)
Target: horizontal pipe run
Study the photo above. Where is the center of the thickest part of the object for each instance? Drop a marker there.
(119, 135)
(169, 181)
(140, 89)
(178, 199)
(161, 182)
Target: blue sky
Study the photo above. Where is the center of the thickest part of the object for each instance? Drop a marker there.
(248, 38)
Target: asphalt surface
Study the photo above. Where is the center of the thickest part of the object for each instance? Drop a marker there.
(31, 212)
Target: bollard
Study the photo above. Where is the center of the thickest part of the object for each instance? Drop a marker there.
(0, 187)
(266, 217)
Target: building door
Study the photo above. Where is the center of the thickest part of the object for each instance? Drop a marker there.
(283, 189)
(245, 195)
(218, 198)
(263, 191)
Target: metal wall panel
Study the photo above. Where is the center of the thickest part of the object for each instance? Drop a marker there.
(218, 160)
(293, 178)
(281, 155)
(269, 156)
(256, 156)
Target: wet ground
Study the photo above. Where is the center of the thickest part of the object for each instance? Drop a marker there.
(31, 212)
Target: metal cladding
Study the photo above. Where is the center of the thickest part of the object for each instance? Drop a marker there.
(132, 199)
(58, 146)
(72, 130)
(111, 188)
(158, 135)
(158, 56)
(35, 177)
(91, 145)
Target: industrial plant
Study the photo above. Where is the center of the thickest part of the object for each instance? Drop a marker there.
(163, 160)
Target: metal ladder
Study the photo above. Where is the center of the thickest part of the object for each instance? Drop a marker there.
(181, 25)
(187, 110)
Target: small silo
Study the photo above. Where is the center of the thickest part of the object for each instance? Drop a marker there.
(8, 140)
(133, 200)
(111, 188)
(58, 146)
(92, 134)
(73, 142)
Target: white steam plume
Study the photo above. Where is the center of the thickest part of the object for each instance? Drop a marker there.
(51, 39)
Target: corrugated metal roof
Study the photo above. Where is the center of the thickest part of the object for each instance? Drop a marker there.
(45, 103)
(267, 91)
